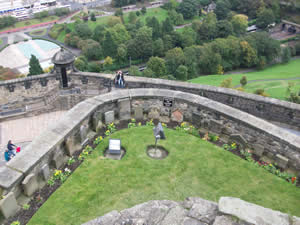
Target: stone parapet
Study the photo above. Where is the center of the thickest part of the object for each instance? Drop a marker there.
(196, 211)
(53, 147)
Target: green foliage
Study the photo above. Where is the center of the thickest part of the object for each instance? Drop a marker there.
(119, 12)
(98, 140)
(59, 175)
(132, 17)
(56, 30)
(15, 223)
(291, 95)
(143, 10)
(188, 8)
(222, 9)
(7, 21)
(261, 92)
(264, 18)
(61, 11)
(26, 206)
(157, 65)
(41, 15)
(71, 161)
(181, 73)
(132, 123)
(286, 55)
(243, 81)
(134, 71)
(93, 17)
(227, 83)
(83, 30)
(34, 66)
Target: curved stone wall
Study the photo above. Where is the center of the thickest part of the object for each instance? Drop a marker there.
(83, 85)
(30, 170)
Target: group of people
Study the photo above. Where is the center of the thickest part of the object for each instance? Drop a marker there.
(119, 80)
(10, 151)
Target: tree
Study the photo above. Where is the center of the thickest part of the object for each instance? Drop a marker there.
(119, 34)
(249, 55)
(264, 18)
(157, 65)
(80, 64)
(224, 28)
(34, 66)
(99, 33)
(174, 58)
(132, 17)
(148, 73)
(188, 8)
(83, 31)
(176, 18)
(109, 45)
(143, 10)
(158, 47)
(108, 61)
(208, 28)
(222, 9)
(239, 23)
(72, 39)
(167, 26)
(243, 81)
(92, 50)
(93, 17)
(286, 55)
(122, 53)
(119, 12)
(181, 73)
(188, 37)
(156, 29)
(113, 20)
(134, 71)
(93, 67)
(227, 83)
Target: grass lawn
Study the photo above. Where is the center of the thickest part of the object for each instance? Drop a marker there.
(279, 71)
(1, 41)
(193, 168)
(40, 32)
(31, 22)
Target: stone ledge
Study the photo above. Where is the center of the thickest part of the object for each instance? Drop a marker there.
(9, 177)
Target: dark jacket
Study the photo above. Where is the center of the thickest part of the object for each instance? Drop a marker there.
(10, 146)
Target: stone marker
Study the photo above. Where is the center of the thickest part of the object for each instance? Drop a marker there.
(138, 113)
(296, 220)
(45, 172)
(124, 109)
(109, 117)
(58, 160)
(258, 149)
(30, 184)
(83, 132)
(281, 161)
(224, 220)
(8, 205)
(252, 213)
(177, 116)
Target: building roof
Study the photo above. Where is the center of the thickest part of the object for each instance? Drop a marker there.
(63, 57)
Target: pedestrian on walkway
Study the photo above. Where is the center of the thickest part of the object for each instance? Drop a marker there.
(10, 148)
(7, 155)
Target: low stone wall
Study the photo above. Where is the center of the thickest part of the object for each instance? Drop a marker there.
(22, 99)
(30, 170)
(196, 211)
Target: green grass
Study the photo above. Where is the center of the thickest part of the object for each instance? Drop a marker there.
(30, 22)
(279, 71)
(193, 168)
(40, 32)
(159, 13)
(1, 41)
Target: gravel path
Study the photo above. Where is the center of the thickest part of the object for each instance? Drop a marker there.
(254, 81)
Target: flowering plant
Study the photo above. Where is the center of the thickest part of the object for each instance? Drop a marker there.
(149, 123)
(98, 140)
(132, 123)
(111, 127)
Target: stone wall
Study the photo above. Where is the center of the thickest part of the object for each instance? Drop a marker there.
(84, 85)
(30, 170)
(196, 211)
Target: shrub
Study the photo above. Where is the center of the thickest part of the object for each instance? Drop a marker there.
(227, 83)
(261, 92)
(243, 81)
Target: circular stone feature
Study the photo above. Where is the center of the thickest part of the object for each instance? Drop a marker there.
(115, 156)
(158, 153)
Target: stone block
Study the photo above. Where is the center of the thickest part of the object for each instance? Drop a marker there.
(251, 213)
(224, 220)
(8, 177)
(177, 116)
(83, 132)
(107, 219)
(196, 119)
(296, 220)
(30, 184)
(281, 161)
(58, 160)
(204, 211)
(72, 145)
(215, 126)
(97, 117)
(99, 126)
(191, 221)
(154, 113)
(175, 216)
(45, 172)
(109, 117)
(138, 113)
(238, 139)
(258, 149)
(9, 205)
(124, 109)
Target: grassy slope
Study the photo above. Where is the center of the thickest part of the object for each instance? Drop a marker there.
(159, 13)
(31, 22)
(193, 168)
(289, 70)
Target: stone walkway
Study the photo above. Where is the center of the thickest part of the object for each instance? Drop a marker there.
(23, 131)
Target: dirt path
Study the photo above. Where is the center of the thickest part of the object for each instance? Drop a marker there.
(280, 79)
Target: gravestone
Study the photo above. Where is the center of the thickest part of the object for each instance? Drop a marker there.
(30, 184)
(124, 109)
(45, 172)
(9, 205)
(83, 133)
(281, 161)
(109, 117)
(138, 113)
(177, 116)
(114, 146)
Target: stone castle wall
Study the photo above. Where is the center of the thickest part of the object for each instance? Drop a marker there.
(38, 98)
(53, 147)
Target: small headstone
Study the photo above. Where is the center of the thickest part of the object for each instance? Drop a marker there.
(281, 161)
(114, 146)
(215, 125)
(124, 109)
(197, 118)
(30, 184)
(58, 160)
(83, 133)
(45, 172)
(9, 205)
(109, 117)
(258, 149)
(177, 116)
(72, 145)
(138, 113)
